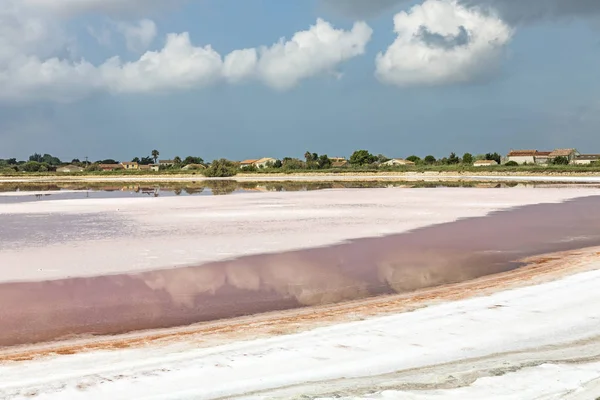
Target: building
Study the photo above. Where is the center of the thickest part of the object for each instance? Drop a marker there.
(570, 154)
(258, 163)
(542, 157)
(69, 168)
(337, 159)
(397, 162)
(485, 163)
(339, 163)
(144, 167)
(522, 156)
(166, 163)
(586, 159)
(155, 167)
(193, 167)
(247, 163)
(110, 167)
(130, 165)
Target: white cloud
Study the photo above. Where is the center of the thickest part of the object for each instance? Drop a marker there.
(441, 42)
(28, 73)
(138, 36)
(308, 53)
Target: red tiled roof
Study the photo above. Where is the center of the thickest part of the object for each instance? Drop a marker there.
(562, 152)
(522, 153)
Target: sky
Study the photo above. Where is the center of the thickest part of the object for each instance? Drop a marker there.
(270, 78)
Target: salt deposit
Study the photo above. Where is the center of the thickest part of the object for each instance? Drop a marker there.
(87, 237)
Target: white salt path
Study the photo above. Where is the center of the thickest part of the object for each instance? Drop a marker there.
(150, 233)
(510, 328)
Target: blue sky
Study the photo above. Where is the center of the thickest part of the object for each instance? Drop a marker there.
(536, 88)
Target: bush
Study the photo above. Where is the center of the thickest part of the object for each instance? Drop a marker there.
(512, 164)
(221, 169)
(93, 168)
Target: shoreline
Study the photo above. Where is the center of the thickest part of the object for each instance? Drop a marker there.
(451, 176)
(537, 270)
(163, 347)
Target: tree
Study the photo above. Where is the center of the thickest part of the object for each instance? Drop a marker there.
(429, 160)
(136, 159)
(177, 160)
(560, 160)
(12, 161)
(277, 164)
(467, 158)
(50, 160)
(155, 155)
(362, 157)
(34, 166)
(107, 161)
(75, 161)
(146, 161)
(193, 160)
(415, 159)
(36, 157)
(381, 158)
(93, 168)
(512, 164)
(453, 159)
(324, 162)
(220, 169)
(293, 163)
(494, 156)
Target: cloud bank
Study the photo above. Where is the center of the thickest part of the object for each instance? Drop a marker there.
(442, 42)
(512, 11)
(30, 68)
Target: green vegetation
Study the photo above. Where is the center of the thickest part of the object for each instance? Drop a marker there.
(361, 161)
(221, 169)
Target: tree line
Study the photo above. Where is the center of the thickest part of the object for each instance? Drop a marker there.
(222, 167)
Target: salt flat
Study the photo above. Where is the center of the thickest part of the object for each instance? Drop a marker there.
(515, 344)
(87, 237)
(520, 343)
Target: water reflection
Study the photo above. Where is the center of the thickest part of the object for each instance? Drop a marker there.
(431, 256)
(224, 187)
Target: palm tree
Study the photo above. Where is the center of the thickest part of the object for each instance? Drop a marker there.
(155, 155)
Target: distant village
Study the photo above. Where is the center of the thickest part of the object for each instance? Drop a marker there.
(361, 158)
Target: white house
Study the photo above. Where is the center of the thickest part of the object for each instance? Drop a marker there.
(570, 154)
(397, 161)
(522, 156)
(260, 163)
(586, 159)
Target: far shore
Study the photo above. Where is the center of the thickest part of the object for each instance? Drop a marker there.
(447, 176)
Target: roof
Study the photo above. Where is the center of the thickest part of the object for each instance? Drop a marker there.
(166, 162)
(486, 162)
(194, 166)
(399, 160)
(246, 162)
(543, 153)
(562, 152)
(334, 159)
(522, 153)
(144, 167)
(264, 160)
(129, 163)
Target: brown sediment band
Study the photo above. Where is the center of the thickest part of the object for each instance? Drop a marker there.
(459, 251)
(536, 269)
